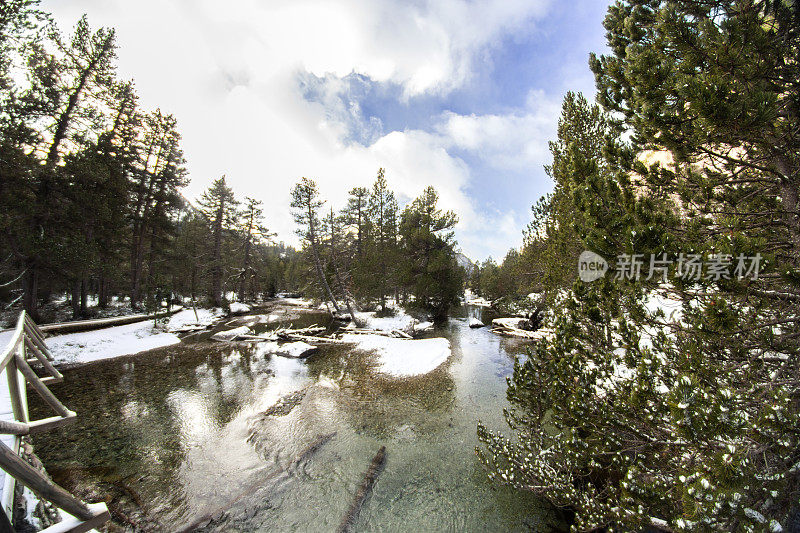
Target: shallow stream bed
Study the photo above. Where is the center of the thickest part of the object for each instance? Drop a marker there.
(191, 435)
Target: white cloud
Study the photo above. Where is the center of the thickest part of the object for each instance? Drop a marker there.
(516, 140)
(230, 75)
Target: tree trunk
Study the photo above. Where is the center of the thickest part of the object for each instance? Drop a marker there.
(31, 291)
(102, 291)
(84, 297)
(339, 281)
(317, 263)
(216, 272)
(75, 300)
(245, 266)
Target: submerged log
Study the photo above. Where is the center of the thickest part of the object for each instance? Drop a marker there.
(361, 494)
(252, 487)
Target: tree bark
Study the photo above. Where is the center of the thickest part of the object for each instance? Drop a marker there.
(75, 300)
(31, 290)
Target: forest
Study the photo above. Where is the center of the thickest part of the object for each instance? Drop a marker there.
(91, 203)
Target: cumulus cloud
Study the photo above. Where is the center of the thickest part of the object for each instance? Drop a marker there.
(515, 140)
(263, 93)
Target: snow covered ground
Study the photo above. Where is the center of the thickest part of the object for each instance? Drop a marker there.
(400, 321)
(301, 302)
(106, 343)
(403, 357)
(187, 319)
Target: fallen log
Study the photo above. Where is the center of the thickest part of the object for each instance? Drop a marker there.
(318, 340)
(256, 484)
(361, 494)
(383, 332)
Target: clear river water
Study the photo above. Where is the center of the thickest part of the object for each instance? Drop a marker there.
(190, 436)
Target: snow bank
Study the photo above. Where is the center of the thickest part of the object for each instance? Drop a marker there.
(475, 323)
(481, 302)
(301, 302)
(230, 334)
(238, 308)
(403, 357)
(400, 320)
(514, 323)
(186, 320)
(106, 343)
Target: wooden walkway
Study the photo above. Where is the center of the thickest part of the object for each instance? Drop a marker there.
(27, 347)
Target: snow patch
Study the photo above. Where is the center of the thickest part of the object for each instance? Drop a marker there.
(296, 349)
(404, 357)
(301, 302)
(230, 334)
(513, 323)
(238, 308)
(186, 320)
(106, 343)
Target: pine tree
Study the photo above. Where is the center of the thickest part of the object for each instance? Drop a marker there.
(335, 236)
(61, 105)
(254, 232)
(381, 247)
(355, 215)
(429, 269)
(218, 205)
(631, 417)
(306, 204)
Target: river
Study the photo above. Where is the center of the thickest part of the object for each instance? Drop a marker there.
(189, 435)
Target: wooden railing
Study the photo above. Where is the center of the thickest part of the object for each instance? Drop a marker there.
(27, 347)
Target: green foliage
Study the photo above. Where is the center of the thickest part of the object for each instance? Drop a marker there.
(429, 267)
(628, 415)
(90, 183)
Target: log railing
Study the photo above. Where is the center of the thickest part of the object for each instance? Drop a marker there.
(27, 347)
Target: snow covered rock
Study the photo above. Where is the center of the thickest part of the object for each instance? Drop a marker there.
(238, 308)
(231, 334)
(475, 323)
(296, 349)
(512, 323)
(420, 327)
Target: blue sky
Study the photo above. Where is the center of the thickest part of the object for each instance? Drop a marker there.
(463, 95)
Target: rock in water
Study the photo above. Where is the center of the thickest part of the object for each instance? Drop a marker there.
(238, 308)
(231, 334)
(296, 349)
(475, 323)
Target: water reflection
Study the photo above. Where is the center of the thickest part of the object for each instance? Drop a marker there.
(184, 430)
